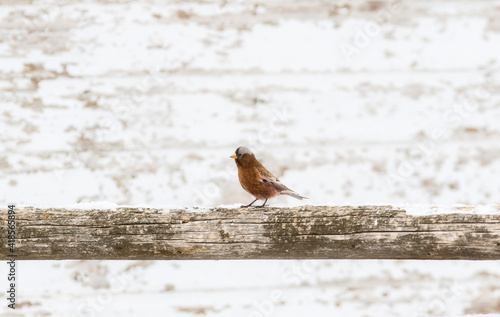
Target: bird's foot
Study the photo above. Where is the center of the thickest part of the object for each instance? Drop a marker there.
(264, 204)
(260, 206)
(250, 205)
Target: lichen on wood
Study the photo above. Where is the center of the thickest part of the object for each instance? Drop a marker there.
(306, 232)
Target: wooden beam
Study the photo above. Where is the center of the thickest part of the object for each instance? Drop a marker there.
(308, 232)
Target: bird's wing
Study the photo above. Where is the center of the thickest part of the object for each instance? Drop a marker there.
(264, 172)
(275, 183)
(267, 177)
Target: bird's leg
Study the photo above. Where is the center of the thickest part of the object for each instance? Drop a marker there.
(250, 204)
(264, 203)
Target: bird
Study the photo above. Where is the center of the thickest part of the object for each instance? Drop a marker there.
(257, 180)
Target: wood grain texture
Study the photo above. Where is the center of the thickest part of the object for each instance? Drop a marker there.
(308, 232)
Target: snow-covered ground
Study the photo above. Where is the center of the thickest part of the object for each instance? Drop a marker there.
(134, 102)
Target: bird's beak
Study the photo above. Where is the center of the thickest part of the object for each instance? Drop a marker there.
(233, 156)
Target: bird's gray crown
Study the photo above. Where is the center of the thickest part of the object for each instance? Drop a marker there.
(242, 150)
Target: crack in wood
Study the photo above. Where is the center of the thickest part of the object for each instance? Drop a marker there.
(308, 232)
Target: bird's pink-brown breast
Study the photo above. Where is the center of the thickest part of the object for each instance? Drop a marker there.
(251, 180)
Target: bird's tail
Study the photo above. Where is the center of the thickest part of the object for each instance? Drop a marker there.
(290, 192)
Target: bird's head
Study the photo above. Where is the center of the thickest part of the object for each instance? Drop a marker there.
(242, 154)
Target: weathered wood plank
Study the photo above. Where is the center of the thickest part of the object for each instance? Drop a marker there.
(307, 232)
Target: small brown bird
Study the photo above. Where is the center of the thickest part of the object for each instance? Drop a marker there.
(257, 180)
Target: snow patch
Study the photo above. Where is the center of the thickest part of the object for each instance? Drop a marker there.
(423, 210)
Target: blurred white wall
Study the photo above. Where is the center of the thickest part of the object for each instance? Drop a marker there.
(133, 102)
